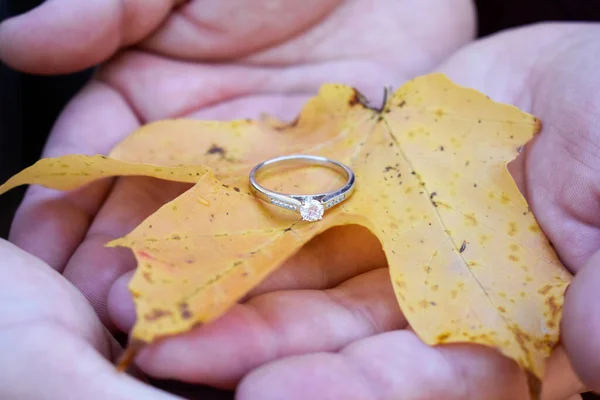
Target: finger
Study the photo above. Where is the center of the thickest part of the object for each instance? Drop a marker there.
(581, 323)
(560, 380)
(473, 65)
(271, 326)
(63, 36)
(216, 30)
(52, 344)
(93, 267)
(51, 224)
(50, 363)
(331, 258)
(394, 365)
(159, 87)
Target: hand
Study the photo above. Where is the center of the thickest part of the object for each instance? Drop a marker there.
(348, 298)
(206, 59)
(548, 70)
(53, 344)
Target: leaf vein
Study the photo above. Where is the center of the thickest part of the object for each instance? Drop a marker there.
(439, 217)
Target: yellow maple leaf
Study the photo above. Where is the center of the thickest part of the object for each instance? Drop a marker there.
(467, 259)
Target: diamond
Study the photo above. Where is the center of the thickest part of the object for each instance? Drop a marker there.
(311, 210)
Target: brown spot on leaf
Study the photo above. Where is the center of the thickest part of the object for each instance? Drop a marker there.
(147, 277)
(184, 311)
(512, 228)
(523, 339)
(357, 99)
(400, 284)
(545, 289)
(215, 149)
(504, 199)
(470, 220)
(553, 306)
(513, 258)
(442, 337)
(155, 314)
(483, 239)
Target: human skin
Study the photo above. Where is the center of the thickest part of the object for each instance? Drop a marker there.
(210, 72)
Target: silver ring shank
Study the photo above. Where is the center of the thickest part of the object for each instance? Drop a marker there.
(294, 201)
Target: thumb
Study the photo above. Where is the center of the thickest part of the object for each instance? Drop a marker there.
(62, 36)
(581, 323)
(53, 346)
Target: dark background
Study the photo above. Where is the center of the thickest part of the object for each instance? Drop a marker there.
(26, 118)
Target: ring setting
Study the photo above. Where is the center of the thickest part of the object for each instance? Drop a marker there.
(311, 210)
(311, 207)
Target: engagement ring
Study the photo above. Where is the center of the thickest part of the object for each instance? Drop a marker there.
(310, 206)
